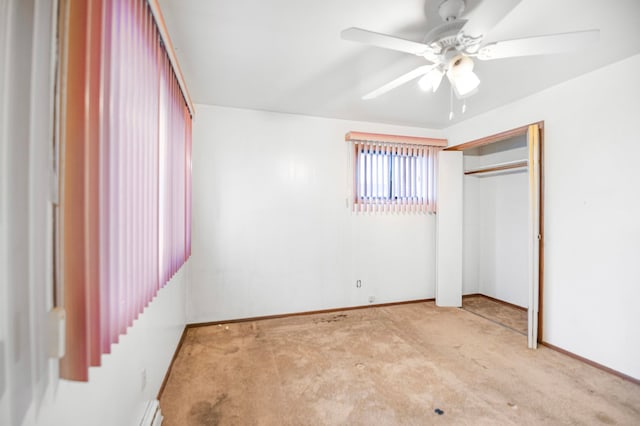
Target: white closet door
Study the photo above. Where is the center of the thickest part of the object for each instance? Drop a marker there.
(449, 229)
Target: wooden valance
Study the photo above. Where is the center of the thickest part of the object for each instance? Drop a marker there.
(378, 137)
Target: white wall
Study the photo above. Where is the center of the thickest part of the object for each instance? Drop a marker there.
(592, 206)
(496, 239)
(504, 237)
(117, 392)
(25, 135)
(471, 234)
(449, 229)
(30, 392)
(271, 230)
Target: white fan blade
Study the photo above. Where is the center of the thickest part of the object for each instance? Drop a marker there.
(399, 81)
(385, 41)
(541, 45)
(482, 19)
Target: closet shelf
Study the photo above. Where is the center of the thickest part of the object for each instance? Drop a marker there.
(498, 167)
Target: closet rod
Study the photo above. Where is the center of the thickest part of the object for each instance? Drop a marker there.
(498, 167)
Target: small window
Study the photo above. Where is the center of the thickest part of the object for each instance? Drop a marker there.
(394, 177)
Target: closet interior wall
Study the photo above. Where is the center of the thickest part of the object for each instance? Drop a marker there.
(495, 223)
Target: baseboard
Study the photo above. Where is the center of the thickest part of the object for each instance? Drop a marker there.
(591, 363)
(173, 360)
(496, 300)
(296, 314)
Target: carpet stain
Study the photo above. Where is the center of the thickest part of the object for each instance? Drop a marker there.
(204, 413)
(334, 318)
(479, 363)
(603, 418)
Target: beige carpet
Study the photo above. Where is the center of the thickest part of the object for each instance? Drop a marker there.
(385, 366)
(505, 315)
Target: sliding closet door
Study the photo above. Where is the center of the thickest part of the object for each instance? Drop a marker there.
(449, 229)
(533, 136)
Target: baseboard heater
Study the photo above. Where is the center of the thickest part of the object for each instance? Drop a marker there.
(152, 415)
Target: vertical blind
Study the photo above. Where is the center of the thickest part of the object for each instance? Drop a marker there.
(392, 176)
(125, 179)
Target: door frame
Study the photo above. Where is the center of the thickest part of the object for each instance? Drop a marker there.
(539, 185)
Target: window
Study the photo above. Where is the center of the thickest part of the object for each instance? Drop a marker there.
(125, 130)
(394, 176)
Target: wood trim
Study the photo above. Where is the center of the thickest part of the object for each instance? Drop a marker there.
(164, 35)
(515, 165)
(298, 314)
(379, 137)
(541, 241)
(494, 138)
(173, 360)
(502, 302)
(592, 363)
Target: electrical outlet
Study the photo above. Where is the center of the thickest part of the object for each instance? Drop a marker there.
(359, 284)
(372, 299)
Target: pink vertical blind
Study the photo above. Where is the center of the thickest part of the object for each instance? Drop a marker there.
(125, 208)
(394, 173)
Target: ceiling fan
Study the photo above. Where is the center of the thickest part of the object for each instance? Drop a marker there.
(451, 47)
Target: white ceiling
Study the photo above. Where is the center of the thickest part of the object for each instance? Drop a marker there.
(287, 55)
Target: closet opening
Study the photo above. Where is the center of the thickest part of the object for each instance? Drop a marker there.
(502, 229)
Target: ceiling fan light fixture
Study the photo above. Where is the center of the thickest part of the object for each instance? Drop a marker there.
(431, 80)
(461, 76)
(465, 84)
(459, 65)
(451, 47)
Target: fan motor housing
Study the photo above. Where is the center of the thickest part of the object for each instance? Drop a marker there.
(449, 10)
(444, 36)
